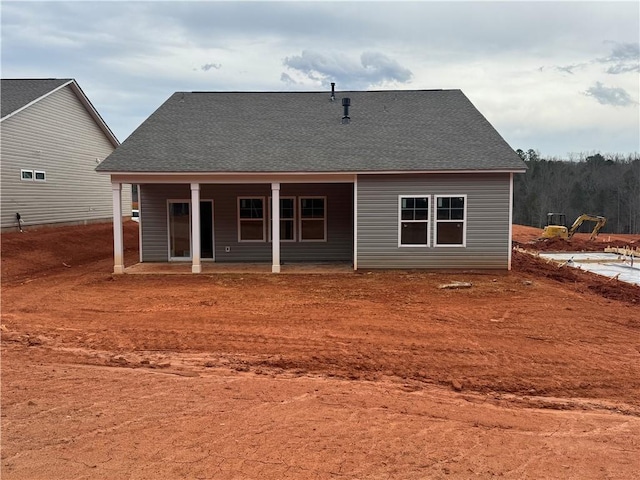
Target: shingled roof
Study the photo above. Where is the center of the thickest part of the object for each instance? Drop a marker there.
(389, 131)
(17, 93)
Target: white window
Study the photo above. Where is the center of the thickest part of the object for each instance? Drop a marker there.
(251, 219)
(451, 220)
(413, 215)
(26, 175)
(313, 219)
(287, 219)
(40, 176)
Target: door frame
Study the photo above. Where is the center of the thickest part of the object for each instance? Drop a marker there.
(213, 237)
(177, 259)
(213, 233)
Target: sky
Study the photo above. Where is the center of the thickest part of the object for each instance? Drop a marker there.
(562, 78)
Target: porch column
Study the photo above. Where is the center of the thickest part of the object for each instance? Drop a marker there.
(355, 222)
(275, 226)
(196, 267)
(118, 242)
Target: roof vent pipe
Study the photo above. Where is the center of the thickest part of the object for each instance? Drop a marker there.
(333, 91)
(346, 102)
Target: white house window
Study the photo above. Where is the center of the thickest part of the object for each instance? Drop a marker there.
(451, 215)
(26, 175)
(251, 219)
(287, 219)
(40, 176)
(413, 221)
(313, 219)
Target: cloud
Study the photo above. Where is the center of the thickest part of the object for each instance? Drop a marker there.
(624, 58)
(208, 66)
(374, 68)
(286, 78)
(570, 68)
(610, 95)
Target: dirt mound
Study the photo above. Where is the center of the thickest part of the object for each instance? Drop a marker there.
(582, 281)
(47, 250)
(560, 245)
(524, 233)
(529, 239)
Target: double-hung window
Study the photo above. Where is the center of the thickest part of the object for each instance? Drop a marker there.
(413, 221)
(251, 219)
(313, 219)
(451, 218)
(287, 219)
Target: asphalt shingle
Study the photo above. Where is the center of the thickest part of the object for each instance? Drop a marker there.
(16, 93)
(389, 131)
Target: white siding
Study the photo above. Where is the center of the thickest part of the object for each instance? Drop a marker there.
(58, 136)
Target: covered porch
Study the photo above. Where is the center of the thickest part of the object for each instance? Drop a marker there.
(236, 225)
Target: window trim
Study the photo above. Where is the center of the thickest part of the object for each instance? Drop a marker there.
(300, 219)
(263, 219)
(293, 219)
(427, 221)
(436, 221)
(26, 170)
(35, 176)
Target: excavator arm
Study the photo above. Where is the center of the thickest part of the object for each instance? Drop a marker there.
(599, 223)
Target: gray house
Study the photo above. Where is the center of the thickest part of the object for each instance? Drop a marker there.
(379, 179)
(52, 138)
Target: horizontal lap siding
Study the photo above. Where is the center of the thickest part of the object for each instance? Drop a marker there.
(153, 218)
(225, 222)
(487, 241)
(339, 214)
(338, 247)
(58, 136)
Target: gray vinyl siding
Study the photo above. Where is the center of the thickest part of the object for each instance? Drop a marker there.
(58, 136)
(487, 222)
(339, 214)
(152, 204)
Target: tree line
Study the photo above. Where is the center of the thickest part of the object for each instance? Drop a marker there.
(607, 185)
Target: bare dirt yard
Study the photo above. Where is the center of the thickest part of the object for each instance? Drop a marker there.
(533, 373)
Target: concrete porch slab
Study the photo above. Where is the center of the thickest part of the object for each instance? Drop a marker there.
(211, 268)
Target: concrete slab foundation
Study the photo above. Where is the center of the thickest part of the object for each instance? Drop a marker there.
(624, 268)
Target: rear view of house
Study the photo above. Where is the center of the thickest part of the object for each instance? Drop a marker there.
(379, 179)
(52, 139)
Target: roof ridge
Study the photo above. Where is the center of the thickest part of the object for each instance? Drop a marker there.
(321, 91)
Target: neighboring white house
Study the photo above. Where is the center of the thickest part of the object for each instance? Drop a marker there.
(52, 139)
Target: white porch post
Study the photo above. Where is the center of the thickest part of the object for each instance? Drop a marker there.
(196, 267)
(275, 226)
(510, 246)
(355, 222)
(118, 242)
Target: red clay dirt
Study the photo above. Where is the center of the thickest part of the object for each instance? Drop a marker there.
(533, 373)
(530, 238)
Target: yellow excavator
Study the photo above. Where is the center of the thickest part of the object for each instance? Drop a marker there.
(556, 225)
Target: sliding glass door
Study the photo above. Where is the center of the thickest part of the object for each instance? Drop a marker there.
(179, 218)
(179, 230)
